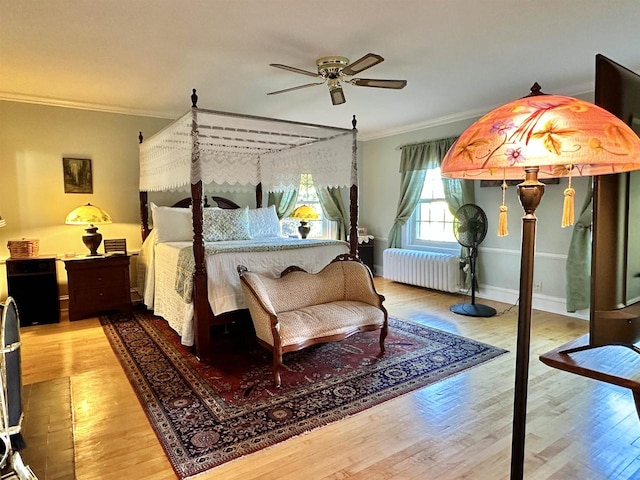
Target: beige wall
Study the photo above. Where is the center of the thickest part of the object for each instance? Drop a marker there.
(33, 141)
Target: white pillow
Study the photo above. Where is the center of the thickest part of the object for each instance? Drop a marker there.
(264, 223)
(172, 224)
(225, 224)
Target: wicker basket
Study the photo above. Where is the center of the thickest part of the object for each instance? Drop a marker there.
(23, 248)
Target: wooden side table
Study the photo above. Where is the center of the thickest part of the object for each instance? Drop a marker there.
(614, 364)
(98, 285)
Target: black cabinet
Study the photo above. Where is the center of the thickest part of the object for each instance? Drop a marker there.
(33, 284)
(365, 250)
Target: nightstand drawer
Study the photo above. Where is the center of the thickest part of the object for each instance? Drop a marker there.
(103, 298)
(105, 277)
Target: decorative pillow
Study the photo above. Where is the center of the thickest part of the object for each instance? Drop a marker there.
(225, 224)
(172, 224)
(264, 223)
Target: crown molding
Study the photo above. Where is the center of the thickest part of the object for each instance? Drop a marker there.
(577, 90)
(95, 107)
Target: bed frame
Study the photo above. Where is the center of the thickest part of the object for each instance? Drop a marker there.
(203, 315)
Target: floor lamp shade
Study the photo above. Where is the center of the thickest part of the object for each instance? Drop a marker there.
(89, 215)
(532, 138)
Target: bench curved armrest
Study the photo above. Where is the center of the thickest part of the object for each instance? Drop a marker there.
(254, 283)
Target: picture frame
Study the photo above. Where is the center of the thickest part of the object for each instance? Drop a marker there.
(77, 175)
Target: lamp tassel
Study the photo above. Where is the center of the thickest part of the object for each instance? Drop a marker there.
(568, 207)
(503, 229)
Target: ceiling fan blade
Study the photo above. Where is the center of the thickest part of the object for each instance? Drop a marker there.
(368, 61)
(295, 88)
(337, 95)
(294, 69)
(369, 82)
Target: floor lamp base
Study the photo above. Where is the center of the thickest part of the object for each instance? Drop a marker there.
(473, 310)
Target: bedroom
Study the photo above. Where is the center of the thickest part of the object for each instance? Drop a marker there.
(38, 132)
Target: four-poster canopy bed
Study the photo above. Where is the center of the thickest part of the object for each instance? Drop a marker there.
(219, 150)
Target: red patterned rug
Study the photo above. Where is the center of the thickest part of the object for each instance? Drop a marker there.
(206, 415)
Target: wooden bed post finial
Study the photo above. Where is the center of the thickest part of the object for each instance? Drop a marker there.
(194, 99)
(140, 137)
(354, 122)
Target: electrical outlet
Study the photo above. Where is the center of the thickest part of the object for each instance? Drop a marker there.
(537, 287)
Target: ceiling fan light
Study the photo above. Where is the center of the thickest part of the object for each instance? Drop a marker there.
(337, 95)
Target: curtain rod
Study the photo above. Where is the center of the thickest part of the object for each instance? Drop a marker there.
(453, 137)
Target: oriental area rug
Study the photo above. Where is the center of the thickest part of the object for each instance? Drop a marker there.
(206, 415)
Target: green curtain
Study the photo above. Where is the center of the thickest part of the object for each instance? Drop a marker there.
(285, 202)
(333, 209)
(458, 192)
(579, 259)
(415, 160)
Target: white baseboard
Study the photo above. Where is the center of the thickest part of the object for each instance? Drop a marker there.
(546, 303)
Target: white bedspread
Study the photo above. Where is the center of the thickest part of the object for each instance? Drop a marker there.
(159, 267)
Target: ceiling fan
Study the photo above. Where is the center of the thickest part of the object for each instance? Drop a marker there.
(334, 71)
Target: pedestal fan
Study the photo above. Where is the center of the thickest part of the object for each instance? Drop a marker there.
(470, 228)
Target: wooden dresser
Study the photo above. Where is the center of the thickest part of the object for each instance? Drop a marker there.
(97, 285)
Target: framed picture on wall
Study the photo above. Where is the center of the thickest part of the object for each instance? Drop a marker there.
(77, 175)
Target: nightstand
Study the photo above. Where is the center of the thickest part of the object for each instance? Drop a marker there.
(33, 284)
(98, 285)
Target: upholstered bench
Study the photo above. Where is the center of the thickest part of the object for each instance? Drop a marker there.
(300, 308)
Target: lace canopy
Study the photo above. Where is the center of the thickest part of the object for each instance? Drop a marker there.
(238, 150)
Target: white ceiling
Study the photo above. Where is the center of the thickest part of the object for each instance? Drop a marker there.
(460, 57)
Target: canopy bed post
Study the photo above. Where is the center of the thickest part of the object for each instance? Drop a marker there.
(353, 193)
(205, 147)
(144, 206)
(144, 215)
(259, 195)
(200, 301)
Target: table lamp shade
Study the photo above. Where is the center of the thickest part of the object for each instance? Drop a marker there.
(305, 212)
(86, 215)
(89, 215)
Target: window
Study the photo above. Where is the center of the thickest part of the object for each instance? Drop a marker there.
(307, 195)
(431, 224)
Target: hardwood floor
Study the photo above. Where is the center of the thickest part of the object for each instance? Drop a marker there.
(577, 428)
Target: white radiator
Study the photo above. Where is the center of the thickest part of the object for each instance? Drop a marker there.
(439, 271)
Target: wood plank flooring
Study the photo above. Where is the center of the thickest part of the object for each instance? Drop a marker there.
(577, 428)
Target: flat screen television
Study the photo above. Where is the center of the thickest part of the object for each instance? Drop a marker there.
(615, 266)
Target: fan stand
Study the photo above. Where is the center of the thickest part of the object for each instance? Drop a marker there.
(472, 309)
